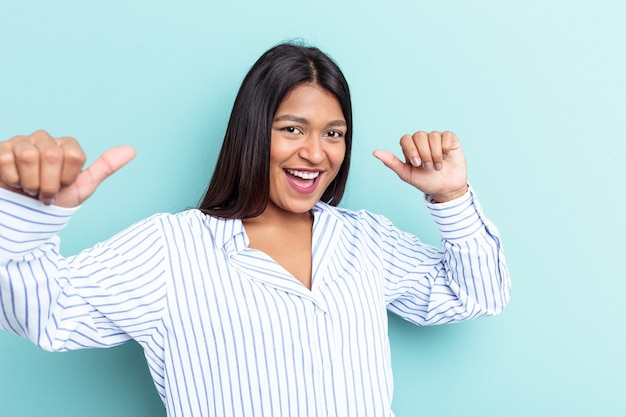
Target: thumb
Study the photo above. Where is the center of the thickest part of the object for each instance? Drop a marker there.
(392, 162)
(108, 163)
(88, 180)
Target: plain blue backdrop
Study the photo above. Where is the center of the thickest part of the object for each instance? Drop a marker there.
(535, 90)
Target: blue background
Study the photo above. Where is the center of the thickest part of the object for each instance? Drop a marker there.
(535, 90)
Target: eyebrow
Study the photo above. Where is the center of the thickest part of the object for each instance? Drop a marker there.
(302, 120)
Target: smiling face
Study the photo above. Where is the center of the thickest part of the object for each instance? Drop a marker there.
(307, 149)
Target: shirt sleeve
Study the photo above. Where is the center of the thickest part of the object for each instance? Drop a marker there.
(101, 297)
(466, 279)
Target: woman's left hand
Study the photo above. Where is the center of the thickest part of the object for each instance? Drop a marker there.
(434, 164)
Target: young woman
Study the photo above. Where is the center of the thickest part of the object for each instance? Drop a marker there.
(267, 299)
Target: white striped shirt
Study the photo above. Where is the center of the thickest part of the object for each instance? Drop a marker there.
(226, 331)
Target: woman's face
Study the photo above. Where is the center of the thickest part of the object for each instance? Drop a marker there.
(307, 149)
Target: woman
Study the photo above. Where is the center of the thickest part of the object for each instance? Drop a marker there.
(268, 299)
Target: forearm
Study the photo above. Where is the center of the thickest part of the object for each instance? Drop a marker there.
(465, 280)
(70, 303)
(473, 255)
(27, 238)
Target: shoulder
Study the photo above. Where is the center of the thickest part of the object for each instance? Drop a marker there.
(184, 222)
(175, 220)
(354, 219)
(195, 227)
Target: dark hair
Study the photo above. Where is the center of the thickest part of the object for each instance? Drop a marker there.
(239, 187)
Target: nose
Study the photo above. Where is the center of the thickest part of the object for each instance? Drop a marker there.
(312, 150)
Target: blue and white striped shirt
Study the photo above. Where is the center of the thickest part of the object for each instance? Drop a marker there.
(228, 332)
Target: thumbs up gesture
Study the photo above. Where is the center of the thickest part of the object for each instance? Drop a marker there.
(433, 163)
(51, 169)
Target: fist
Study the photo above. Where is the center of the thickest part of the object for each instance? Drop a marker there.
(51, 169)
(433, 162)
(39, 165)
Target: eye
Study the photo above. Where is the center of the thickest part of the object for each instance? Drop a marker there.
(335, 134)
(291, 129)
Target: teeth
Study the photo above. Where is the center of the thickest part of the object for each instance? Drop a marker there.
(305, 175)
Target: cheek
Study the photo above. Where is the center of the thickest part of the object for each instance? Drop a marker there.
(338, 156)
(281, 150)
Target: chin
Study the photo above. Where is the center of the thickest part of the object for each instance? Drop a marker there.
(299, 207)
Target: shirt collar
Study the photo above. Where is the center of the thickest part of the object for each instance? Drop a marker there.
(230, 233)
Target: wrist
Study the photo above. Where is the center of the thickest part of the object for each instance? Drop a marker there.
(449, 196)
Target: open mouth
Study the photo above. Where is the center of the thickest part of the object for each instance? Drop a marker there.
(302, 181)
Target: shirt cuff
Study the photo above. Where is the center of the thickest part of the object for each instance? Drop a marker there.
(26, 223)
(457, 219)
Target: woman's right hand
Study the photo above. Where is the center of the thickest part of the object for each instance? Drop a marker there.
(51, 169)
